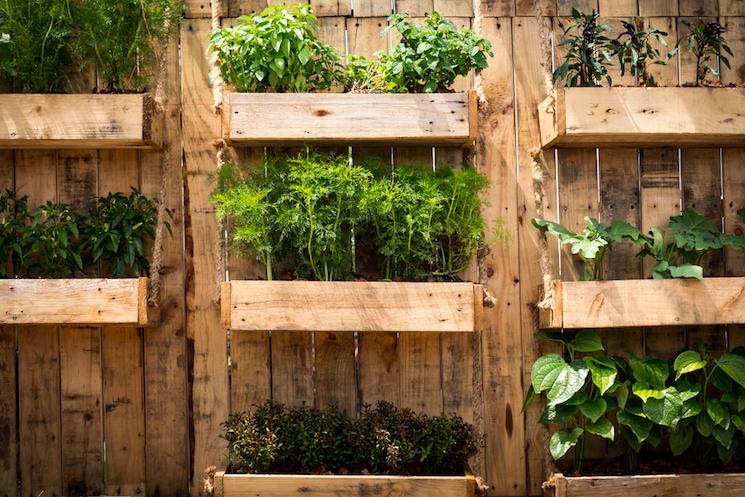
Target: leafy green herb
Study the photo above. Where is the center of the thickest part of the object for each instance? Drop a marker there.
(636, 50)
(14, 217)
(706, 42)
(51, 239)
(588, 53)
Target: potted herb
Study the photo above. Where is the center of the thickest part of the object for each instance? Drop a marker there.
(274, 60)
(280, 451)
(46, 45)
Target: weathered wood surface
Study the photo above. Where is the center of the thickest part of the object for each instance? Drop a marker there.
(265, 118)
(350, 306)
(632, 303)
(694, 485)
(74, 301)
(348, 486)
(623, 116)
(86, 121)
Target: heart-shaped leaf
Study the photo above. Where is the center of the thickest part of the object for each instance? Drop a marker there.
(688, 362)
(602, 428)
(593, 409)
(563, 440)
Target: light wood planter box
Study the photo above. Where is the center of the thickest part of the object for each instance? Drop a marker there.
(346, 486)
(76, 121)
(351, 306)
(74, 301)
(632, 303)
(641, 117)
(695, 485)
(415, 118)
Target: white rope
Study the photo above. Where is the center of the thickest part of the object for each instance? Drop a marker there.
(544, 37)
(215, 75)
(478, 84)
(540, 173)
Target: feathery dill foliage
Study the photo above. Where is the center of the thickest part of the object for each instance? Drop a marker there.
(35, 44)
(308, 212)
(385, 439)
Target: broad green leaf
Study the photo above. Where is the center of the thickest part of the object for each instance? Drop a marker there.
(587, 341)
(569, 381)
(563, 440)
(603, 372)
(691, 408)
(681, 439)
(723, 435)
(734, 366)
(593, 409)
(718, 412)
(577, 399)
(687, 362)
(545, 370)
(649, 370)
(558, 414)
(687, 271)
(603, 428)
(622, 395)
(704, 424)
(645, 392)
(667, 411)
(739, 422)
(631, 440)
(638, 425)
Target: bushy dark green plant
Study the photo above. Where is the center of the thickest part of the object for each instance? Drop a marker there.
(431, 55)
(277, 50)
(116, 230)
(116, 36)
(701, 405)
(35, 52)
(383, 440)
(588, 52)
(14, 217)
(707, 43)
(52, 242)
(637, 49)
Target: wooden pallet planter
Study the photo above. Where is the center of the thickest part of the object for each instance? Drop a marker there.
(632, 303)
(416, 119)
(348, 486)
(96, 301)
(696, 485)
(78, 121)
(642, 117)
(351, 306)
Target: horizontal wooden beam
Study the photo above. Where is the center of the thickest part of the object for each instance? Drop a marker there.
(348, 485)
(74, 301)
(77, 121)
(633, 303)
(351, 306)
(679, 485)
(423, 118)
(643, 117)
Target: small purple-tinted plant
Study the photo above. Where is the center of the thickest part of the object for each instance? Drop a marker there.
(637, 49)
(707, 43)
(588, 53)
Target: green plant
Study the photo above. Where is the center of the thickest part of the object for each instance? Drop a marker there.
(277, 50)
(51, 242)
(701, 405)
(14, 217)
(363, 75)
(593, 243)
(705, 41)
(431, 55)
(117, 229)
(117, 37)
(588, 52)
(636, 49)
(35, 47)
(384, 440)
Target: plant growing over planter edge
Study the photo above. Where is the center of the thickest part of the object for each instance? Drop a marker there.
(384, 440)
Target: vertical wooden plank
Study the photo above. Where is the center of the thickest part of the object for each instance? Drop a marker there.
(205, 333)
(498, 8)
(77, 177)
(237, 8)
(165, 355)
(502, 336)
(649, 8)
(323, 8)
(372, 8)
(420, 380)
(335, 371)
(415, 8)
(618, 8)
(664, 75)
(527, 8)
(454, 8)
(530, 90)
(118, 171)
(731, 8)
(698, 8)
(292, 368)
(363, 35)
(38, 358)
(564, 7)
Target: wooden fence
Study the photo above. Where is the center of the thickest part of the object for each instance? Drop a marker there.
(117, 411)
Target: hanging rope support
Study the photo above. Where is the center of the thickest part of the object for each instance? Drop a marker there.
(478, 84)
(215, 74)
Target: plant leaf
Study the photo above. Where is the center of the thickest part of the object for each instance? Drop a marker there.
(563, 440)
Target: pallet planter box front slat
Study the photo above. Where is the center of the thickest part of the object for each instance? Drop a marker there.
(74, 301)
(351, 306)
(633, 303)
(77, 121)
(348, 486)
(643, 117)
(421, 118)
(694, 485)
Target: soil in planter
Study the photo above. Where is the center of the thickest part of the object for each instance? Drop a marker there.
(651, 463)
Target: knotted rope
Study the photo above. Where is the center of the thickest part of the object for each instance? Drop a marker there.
(478, 84)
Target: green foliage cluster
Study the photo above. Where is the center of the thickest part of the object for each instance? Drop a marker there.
(45, 42)
(590, 51)
(677, 254)
(696, 402)
(278, 50)
(308, 212)
(384, 440)
(54, 240)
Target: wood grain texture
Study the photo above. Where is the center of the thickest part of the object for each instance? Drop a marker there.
(633, 303)
(262, 118)
(8, 413)
(76, 121)
(618, 117)
(72, 301)
(691, 485)
(649, 8)
(350, 486)
(351, 306)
